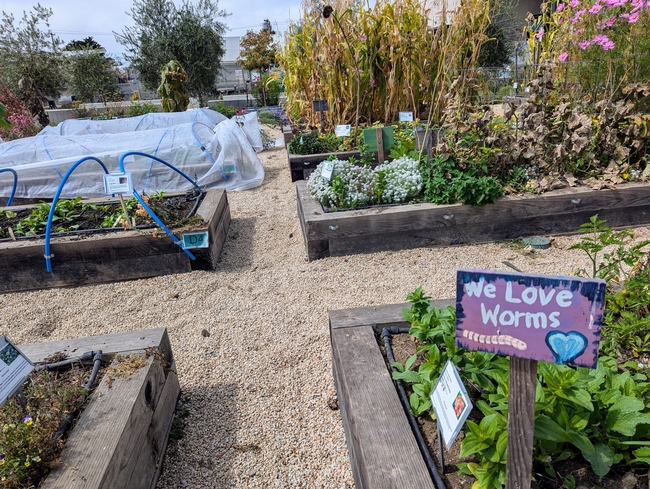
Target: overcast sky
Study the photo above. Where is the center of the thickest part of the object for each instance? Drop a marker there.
(75, 19)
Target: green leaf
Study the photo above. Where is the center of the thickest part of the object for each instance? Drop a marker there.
(547, 429)
(625, 423)
(472, 444)
(408, 376)
(601, 459)
(642, 455)
(581, 398)
(398, 366)
(410, 362)
(627, 404)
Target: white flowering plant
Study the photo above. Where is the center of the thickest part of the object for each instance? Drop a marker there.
(352, 186)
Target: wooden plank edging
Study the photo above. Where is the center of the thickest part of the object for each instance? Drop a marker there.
(383, 451)
(424, 224)
(116, 256)
(120, 438)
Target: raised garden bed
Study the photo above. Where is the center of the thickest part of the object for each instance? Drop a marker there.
(113, 256)
(120, 438)
(425, 224)
(382, 447)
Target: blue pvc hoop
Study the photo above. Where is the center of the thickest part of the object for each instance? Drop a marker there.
(13, 190)
(50, 216)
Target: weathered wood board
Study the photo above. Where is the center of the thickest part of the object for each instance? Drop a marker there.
(302, 165)
(120, 438)
(425, 224)
(382, 447)
(115, 256)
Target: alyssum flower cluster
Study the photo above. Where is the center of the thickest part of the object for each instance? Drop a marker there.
(353, 186)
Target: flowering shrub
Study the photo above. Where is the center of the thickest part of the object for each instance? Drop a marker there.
(613, 32)
(352, 186)
(18, 115)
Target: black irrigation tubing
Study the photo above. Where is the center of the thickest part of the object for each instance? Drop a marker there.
(386, 334)
(198, 199)
(96, 357)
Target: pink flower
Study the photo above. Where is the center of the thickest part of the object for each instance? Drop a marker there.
(595, 9)
(363, 38)
(600, 39)
(584, 44)
(633, 17)
(338, 100)
(608, 45)
(611, 21)
(560, 20)
(574, 3)
(560, 7)
(539, 34)
(562, 57)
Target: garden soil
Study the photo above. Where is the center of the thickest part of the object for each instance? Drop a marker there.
(251, 338)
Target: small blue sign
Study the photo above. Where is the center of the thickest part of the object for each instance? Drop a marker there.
(196, 240)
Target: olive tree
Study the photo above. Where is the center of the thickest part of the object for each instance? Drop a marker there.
(31, 61)
(189, 33)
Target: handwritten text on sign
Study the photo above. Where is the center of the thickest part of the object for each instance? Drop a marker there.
(539, 317)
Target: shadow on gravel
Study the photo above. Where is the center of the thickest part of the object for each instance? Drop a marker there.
(207, 421)
(270, 174)
(238, 248)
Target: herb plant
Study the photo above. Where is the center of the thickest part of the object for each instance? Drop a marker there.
(598, 414)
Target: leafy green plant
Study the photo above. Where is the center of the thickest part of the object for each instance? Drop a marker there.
(307, 144)
(137, 108)
(446, 183)
(598, 414)
(225, 110)
(27, 446)
(611, 268)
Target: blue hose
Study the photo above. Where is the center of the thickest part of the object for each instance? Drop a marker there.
(148, 209)
(13, 190)
(225, 177)
(50, 217)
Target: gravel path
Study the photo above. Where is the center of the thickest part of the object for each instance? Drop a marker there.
(257, 387)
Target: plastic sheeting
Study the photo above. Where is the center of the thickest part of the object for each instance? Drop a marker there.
(218, 156)
(155, 120)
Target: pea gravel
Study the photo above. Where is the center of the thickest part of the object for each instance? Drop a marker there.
(251, 339)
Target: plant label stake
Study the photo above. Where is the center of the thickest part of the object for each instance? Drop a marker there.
(451, 404)
(14, 369)
(531, 318)
(321, 106)
(119, 183)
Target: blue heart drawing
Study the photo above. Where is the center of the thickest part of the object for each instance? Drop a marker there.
(566, 346)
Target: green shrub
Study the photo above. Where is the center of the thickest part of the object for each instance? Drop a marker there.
(225, 110)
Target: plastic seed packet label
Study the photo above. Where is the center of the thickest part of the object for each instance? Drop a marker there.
(327, 170)
(118, 183)
(14, 369)
(451, 404)
(406, 116)
(342, 130)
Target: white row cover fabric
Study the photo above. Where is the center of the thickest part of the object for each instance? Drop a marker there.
(155, 120)
(216, 156)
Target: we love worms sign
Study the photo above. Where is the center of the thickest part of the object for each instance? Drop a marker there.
(537, 317)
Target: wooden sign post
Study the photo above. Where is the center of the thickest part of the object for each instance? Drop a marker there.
(531, 318)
